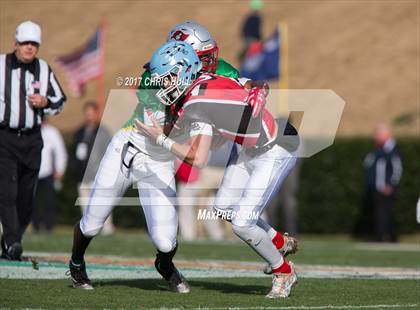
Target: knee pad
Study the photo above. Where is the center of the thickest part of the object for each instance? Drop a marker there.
(249, 234)
(164, 245)
(89, 231)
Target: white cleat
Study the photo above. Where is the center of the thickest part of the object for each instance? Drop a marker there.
(283, 283)
(290, 246)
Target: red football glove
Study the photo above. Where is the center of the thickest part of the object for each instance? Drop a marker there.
(256, 99)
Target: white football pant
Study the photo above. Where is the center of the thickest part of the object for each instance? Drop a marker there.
(156, 186)
(248, 185)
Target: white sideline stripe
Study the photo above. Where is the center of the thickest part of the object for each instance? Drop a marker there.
(98, 271)
(123, 267)
(324, 307)
(403, 247)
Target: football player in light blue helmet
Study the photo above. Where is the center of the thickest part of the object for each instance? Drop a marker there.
(173, 67)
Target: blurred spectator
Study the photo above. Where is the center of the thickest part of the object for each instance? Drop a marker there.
(251, 27)
(196, 189)
(51, 172)
(89, 146)
(383, 172)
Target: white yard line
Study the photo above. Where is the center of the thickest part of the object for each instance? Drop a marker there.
(381, 306)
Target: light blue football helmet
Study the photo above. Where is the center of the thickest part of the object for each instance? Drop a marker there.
(173, 67)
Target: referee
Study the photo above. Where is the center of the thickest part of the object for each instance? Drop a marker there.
(28, 91)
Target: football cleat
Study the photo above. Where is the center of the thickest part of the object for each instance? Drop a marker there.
(283, 284)
(290, 246)
(166, 268)
(13, 252)
(78, 276)
(177, 283)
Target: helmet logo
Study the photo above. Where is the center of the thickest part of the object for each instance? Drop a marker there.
(179, 36)
(207, 47)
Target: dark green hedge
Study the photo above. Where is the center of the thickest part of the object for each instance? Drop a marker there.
(69, 214)
(331, 187)
(330, 194)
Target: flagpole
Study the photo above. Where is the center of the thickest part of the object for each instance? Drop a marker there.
(100, 87)
(284, 69)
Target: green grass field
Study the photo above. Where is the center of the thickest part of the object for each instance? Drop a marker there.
(225, 292)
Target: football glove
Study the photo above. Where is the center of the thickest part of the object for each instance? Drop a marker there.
(257, 100)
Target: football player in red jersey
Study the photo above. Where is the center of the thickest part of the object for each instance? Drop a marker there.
(208, 104)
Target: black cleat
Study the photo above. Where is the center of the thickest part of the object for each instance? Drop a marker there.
(3, 246)
(79, 277)
(176, 281)
(13, 252)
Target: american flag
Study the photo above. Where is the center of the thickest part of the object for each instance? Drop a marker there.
(85, 63)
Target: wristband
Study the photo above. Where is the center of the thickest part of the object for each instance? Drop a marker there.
(164, 141)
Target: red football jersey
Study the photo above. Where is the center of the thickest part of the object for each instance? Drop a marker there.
(222, 102)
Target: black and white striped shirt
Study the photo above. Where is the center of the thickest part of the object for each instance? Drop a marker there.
(17, 82)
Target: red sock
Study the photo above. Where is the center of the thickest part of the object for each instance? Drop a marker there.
(284, 268)
(278, 240)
